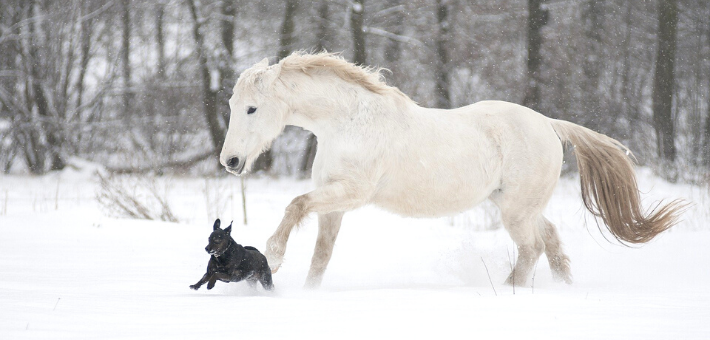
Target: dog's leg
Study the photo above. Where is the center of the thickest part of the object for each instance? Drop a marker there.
(328, 228)
(202, 281)
(265, 279)
(332, 197)
(211, 282)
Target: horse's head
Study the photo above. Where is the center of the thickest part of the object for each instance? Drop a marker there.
(257, 117)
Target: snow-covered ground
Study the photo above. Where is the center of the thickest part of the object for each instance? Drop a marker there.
(68, 271)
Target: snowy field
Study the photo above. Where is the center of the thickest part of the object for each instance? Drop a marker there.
(70, 271)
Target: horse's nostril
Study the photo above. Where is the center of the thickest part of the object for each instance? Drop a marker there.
(233, 162)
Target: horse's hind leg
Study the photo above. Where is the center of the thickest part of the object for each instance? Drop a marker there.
(559, 262)
(328, 228)
(525, 233)
(521, 211)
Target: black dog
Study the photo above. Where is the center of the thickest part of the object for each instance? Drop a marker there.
(230, 262)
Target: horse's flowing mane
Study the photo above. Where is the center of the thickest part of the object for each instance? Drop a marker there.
(370, 78)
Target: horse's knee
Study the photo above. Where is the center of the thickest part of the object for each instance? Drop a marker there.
(275, 249)
(530, 252)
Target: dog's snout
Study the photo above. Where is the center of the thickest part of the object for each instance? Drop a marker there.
(233, 162)
(207, 249)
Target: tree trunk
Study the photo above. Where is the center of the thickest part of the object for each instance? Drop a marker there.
(34, 149)
(160, 38)
(226, 73)
(85, 49)
(357, 16)
(322, 32)
(664, 80)
(9, 51)
(309, 156)
(592, 20)
(706, 131)
(537, 18)
(706, 139)
(125, 56)
(393, 49)
(209, 97)
(443, 96)
(47, 122)
(287, 28)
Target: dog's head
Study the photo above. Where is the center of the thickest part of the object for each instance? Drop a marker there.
(220, 240)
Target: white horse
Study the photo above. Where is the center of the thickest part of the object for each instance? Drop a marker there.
(377, 146)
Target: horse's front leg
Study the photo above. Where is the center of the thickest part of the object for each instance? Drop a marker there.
(333, 197)
(328, 228)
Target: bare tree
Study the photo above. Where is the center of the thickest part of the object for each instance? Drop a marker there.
(287, 29)
(443, 97)
(393, 48)
(209, 97)
(125, 55)
(592, 21)
(357, 17)
(87, 21)
(537, 18)
(706, 130)
(664, 80)
(706, 138)
(160, 38)
(227, 76)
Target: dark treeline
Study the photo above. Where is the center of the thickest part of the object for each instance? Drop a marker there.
(142, 85)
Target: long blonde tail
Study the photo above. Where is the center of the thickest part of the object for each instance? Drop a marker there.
(609, 188)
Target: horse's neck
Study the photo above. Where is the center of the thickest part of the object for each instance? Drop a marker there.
(322, 104)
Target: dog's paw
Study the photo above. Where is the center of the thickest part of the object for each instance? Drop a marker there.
(194, 287)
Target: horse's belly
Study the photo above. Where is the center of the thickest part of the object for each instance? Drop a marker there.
(433, 200)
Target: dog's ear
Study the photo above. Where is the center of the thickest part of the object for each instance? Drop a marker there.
(216, 224)
(228, 230)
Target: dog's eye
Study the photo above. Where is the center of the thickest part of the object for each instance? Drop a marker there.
(251, 110)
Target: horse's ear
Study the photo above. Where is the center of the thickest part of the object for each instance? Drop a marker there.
(216, 224)
(264, 63)
(270, 75)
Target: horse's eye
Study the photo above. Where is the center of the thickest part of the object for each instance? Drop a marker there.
(251, 110)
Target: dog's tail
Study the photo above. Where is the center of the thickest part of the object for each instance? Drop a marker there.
(609, 188)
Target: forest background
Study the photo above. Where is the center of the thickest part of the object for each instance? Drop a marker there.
(141, 86)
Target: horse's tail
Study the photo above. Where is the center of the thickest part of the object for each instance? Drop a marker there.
(609, 188)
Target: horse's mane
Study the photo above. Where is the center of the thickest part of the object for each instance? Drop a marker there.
(370, 78)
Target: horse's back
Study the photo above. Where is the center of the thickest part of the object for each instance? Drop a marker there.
(454, 159)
